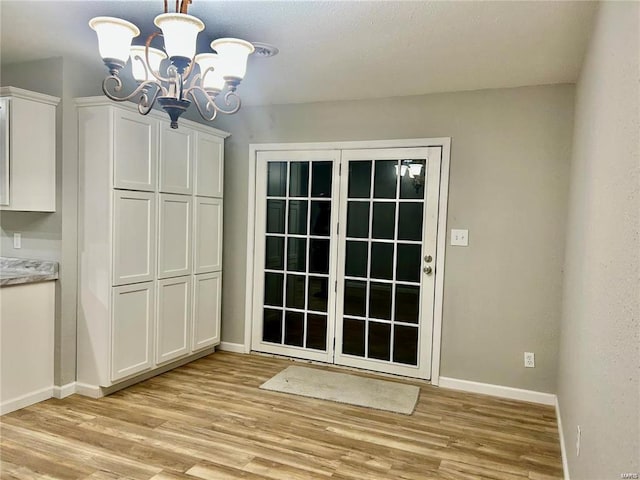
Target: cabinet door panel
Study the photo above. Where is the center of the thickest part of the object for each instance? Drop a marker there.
(207, 295)
(209, 170)
(132, 323)
(134, 237)
(176, 152)
(135, 151)
(174, 256)
(174, 318)
(208, 235)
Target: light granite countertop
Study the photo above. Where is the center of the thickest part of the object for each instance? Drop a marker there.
(15, 271)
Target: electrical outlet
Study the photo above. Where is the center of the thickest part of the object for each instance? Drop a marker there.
(529, 359)
(17, 240)
(578, 435)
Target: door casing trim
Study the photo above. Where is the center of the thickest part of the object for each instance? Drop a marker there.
(443, 142)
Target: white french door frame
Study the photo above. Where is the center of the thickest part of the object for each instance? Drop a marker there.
(444, 143)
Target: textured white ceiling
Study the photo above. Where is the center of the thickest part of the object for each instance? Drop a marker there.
(335, 50)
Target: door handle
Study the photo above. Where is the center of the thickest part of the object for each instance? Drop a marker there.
(427, 270)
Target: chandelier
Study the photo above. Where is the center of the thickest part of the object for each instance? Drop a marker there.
(212, 89)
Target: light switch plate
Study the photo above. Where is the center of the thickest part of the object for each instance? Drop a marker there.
(459, 238)
(17, 240)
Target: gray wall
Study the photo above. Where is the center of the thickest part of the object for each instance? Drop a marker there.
(599, 364)
(508, 185)
(54, 235)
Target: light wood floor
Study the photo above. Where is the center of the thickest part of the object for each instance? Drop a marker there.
(209, 420)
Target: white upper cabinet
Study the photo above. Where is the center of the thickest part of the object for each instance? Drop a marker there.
(174, 318)
(209, 169)
(174, 239)
(134, 239)
(208, 235)
(27, 150)
(132, 339)
(135, 151)
(176, 160)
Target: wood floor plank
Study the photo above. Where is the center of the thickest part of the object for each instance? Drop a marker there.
(209, 420)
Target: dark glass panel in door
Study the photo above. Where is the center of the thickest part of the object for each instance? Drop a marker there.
(318, 256)
(294, 328)
(297, 254)
(359, 179)
(408, 263)
(273, 288)
(320, 218)
(272, 326)
(321, 179)
(413, 179)
(274, 253)
(275, 215)
(316, 331)
(355, 297)
(407, 303)
(358, 219)
(379, 340)
(405, 344)
(384, 220)
(386, 179)
(380, 300)
(299, 179)
(382, 260)
(318, 294)
(353, 337)
(298, 217)
(277, 179)
(410, 221)
(356, 259)
(295, 291)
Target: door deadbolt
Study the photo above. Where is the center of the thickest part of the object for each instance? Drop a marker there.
(427, 270)
(428, 258)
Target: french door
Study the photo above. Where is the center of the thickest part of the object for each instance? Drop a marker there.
(345, 249)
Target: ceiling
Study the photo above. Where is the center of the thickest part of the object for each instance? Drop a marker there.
(337, 50)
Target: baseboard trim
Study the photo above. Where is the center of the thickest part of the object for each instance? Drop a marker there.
(231, 347)
(498, 391)
(64, 390)
(26, 400)
(87, 390)
(563, 448)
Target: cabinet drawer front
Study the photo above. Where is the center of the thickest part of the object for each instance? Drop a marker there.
(132, 326)
(174, 318)
(174, 256)
(208, 235)
(135, 151)
(176, 158)
(209, 169)
(134, 237)
(207, 300)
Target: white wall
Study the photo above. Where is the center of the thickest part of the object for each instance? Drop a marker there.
(599, 365)
(508, 185)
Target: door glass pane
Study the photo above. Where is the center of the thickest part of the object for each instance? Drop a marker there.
(295, 291)
(360, 179)
(316, 331)
(321, 179)
(410, 221)
(382, 260)
(319, 256)
(275, 216)
(413, 177)
(379, 340)
(405, 344)
(357, 259)
(353, 337)
(273, 288)
(355, 297)
(408, 267)
(318, 294)
(407, 303)
(386, 179)
(298, 217)
(274, 255)
(272, 325)
(383, 247)
(277, 179)
(384, 220)
(380, 300)
(299, 179)
(297, 255)
(294, 328)
(358, 219)
(320, 218)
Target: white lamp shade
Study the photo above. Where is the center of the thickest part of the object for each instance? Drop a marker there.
(415, 169)
(114, 37)
(140, 73)
(212, 80)
(180, 32)
(233, 56)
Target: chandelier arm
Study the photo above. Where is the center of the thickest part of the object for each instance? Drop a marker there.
(231, 94)
(210, 103)
(193, 81)
(145, 105)
(118, 87)
(146, 54)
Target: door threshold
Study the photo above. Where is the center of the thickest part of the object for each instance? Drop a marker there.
(361, 371)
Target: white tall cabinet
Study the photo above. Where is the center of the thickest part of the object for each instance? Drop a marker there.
(150, 242)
